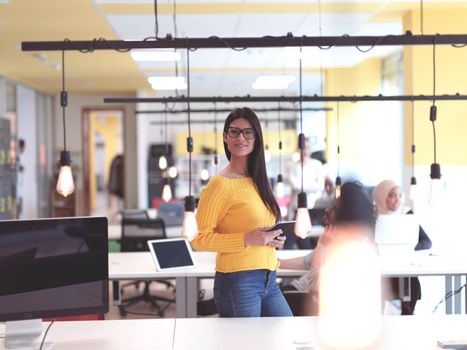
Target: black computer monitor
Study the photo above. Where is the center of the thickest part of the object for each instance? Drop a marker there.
(51, 268)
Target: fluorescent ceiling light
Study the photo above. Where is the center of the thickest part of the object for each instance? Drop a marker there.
(167, 83)
(155, 56)
(273, 82)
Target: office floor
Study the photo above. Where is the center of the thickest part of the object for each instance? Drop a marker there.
(145, 310)
(141, 309)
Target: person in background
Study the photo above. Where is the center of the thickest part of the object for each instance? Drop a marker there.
(389, 200)
(313, 186)
(351, 214)
(234, 213)
(329, 195)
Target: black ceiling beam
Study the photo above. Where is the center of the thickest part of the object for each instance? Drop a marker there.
(266, 41)
(314, 98)
(227, 110)
(222, 120)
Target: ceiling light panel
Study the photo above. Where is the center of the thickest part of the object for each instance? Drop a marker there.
(138, 27)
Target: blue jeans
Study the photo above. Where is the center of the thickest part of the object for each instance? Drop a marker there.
(252, 293)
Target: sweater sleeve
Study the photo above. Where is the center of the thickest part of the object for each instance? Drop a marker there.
(213, 206)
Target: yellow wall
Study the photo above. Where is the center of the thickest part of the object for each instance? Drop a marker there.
(109, 127)
(451, 77)
(363, 79)
(206, 139)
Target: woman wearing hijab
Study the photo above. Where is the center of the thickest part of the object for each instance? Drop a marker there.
(389, 200)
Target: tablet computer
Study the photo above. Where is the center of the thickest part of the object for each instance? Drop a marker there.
(287, 227)
(171, 253)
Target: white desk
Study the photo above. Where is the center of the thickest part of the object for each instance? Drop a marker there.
(292, 333)
(109, 335)
(271, 333)
(115, 232)
(140, 266)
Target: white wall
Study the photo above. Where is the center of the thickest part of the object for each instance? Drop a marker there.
(27, 130)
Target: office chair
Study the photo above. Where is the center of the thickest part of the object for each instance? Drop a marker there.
(137, 229)
(172, 213)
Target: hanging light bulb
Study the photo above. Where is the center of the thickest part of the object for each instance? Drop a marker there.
(302, 226)
(436, 189)
(338, 186)
(280, 188)
(65, 182)
(162, 162)
(173, 172)
(434, 195)
(189, 226)
(204, 174)
(166, 191)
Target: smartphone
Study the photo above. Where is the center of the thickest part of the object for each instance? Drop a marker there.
(287, 227)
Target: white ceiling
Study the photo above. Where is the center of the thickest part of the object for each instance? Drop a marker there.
(228, 72)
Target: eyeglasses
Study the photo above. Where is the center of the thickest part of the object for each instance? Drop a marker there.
(248, 133)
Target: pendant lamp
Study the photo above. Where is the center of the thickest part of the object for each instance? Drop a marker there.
(65, 182)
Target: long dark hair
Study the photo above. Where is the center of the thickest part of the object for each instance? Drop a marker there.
(256, 161)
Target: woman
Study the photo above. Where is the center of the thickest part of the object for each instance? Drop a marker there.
(352, 215)
(388, 199)
(235, 210)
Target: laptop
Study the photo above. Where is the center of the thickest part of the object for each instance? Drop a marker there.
(396, 233)
(171, 254)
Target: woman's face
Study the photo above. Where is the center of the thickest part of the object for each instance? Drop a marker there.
(240, 138)
(393, 200)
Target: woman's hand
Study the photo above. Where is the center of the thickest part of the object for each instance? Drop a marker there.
(261, 237)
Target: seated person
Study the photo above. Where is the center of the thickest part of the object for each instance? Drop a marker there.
(389, 199)
(329, 195)
(351, 213)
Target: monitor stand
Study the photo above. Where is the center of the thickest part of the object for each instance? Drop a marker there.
(24, 334)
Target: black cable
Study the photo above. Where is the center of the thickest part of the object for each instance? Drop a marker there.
(434, 69)
(45, 334)
(434, 140)
(166, 145)
(421, 16)
(227, 44)
(174, 16)
(63, 104)
(215, 131)
(189, 116)
(434, 94)
(338, 140)
(156, 21)
(448, 295)
(413, 139)
(301, 117)
(279, 121)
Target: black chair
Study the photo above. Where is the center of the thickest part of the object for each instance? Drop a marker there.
(137, 229)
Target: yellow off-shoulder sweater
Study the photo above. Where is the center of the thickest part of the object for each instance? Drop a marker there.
(228, 209)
